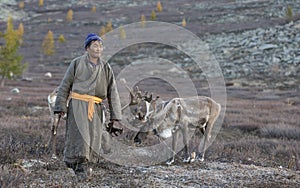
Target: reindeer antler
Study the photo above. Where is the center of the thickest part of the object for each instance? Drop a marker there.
(147, 97)
(133, 100)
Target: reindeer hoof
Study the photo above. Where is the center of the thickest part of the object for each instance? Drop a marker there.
(186, 160)
(170, 162)
(137, 140)
(193, 157)
(200, 157)
(54, 157)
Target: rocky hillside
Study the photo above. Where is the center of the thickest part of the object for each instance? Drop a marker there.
(260, 57)
(253, 41)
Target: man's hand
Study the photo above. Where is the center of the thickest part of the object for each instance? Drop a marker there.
(59, 113)
(113, 130)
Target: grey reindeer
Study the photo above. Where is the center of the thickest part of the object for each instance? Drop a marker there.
(168, 118)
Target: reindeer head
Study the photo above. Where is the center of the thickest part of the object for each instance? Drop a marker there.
(141, 105)
(162, 121)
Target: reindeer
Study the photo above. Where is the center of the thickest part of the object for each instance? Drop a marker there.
(168, 118)
(55, 119)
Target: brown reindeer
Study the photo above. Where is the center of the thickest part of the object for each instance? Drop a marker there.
(168, 118)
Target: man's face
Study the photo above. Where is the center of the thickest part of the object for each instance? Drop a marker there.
(95, 49)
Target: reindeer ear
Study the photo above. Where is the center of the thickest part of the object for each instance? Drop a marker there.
(176, 102)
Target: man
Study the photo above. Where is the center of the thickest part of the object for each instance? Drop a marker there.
(87, 82)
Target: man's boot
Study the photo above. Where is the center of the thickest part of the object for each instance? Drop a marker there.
(79, 169)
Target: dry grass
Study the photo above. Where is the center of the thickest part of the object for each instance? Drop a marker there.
(263, 133)
(258, 132)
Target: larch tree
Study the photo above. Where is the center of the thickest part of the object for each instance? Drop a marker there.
(183, 22)
(159, 6)
(102, 32)
(122, 32)
(10, 60)
(41, 3)
(94, 9)
(21, 4)
(21, 29)
(108, 27)
(289, 12)
(143, 20)
(21, 32)
(69, 15)
(153, 15)
(48, 44)
(61, 39)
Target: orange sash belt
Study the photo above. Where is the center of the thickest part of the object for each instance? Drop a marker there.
(91, 101)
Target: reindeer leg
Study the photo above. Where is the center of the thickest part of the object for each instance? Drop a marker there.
(201, 148)
(215, 111)
(186, 158)
(54, 154)
(174, 142)
(136, 139)
(199, 132)
(143, 133)
(54, 135)
(207, 135)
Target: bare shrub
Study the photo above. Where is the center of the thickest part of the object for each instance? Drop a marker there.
(280, 131)
(233, 145)
(10, 176)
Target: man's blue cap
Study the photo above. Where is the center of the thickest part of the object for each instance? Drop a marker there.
(91, 37)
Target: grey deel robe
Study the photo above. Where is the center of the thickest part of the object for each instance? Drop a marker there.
(98, 80)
